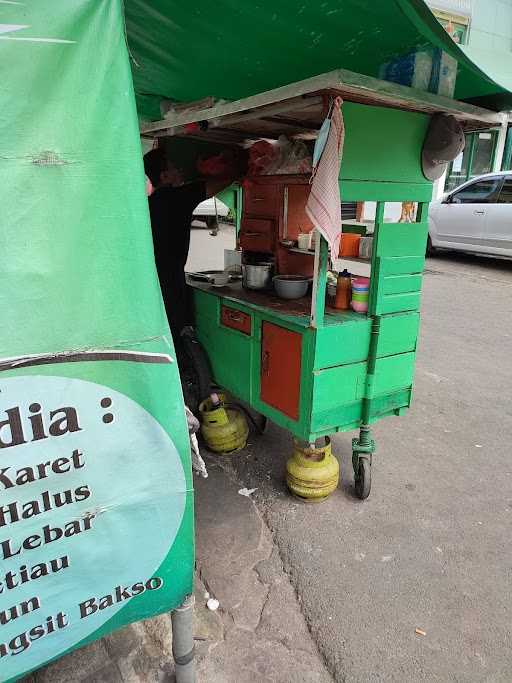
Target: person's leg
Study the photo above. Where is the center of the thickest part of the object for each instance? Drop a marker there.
(172, 293)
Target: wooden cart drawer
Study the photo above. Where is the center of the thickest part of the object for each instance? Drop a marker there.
(261, 200)
(257, 234)
(235, 319)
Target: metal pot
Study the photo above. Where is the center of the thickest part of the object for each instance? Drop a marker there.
(291, 286)
(257, 276)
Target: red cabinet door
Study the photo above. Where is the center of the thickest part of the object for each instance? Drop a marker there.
(280, 369)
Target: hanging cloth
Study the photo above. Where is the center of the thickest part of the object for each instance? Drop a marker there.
(324, 202)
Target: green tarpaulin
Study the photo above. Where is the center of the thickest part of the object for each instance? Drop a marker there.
(232, 49)
(95, 486)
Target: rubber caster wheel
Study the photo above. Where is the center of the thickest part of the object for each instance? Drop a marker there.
(363, 478)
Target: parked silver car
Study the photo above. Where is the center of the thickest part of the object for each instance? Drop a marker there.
(476, 217)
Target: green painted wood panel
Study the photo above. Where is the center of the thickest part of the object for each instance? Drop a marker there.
(347, 417)
(401, 284)
(397, 266)
(367, 154)
(394, 303)
(386, 191)
(334, 387)
(393, 373)
(341, 344)
(401, 265)
(205, 306)
(398, 334)
(402, 239)
(349, 342)
(231, 360)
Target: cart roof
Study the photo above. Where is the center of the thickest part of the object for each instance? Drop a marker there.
(298, 109)
(233, 49)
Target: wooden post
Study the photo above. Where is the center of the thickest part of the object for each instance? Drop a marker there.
(319, 282)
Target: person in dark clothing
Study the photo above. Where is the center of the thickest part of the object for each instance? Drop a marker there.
(171, 206)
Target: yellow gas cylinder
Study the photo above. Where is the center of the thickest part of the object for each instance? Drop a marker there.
(224, 429)
(312, 474)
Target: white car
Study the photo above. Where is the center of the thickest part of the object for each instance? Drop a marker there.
(210, 210)
(476, 216)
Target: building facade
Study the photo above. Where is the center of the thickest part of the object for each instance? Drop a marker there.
(483, 29)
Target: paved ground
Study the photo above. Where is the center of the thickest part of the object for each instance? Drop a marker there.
(206, 251)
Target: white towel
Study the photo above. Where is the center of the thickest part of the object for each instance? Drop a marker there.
(324, 203)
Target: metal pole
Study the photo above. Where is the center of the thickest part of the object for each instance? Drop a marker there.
(183, 641)
(500, 145)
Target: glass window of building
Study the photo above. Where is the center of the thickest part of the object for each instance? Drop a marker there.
(476, 159)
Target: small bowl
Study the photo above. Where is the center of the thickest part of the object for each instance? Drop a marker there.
(291, 286)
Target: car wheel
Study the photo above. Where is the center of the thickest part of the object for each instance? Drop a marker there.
(430, 249)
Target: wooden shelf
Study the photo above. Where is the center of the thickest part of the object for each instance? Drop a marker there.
(355, 266)
(295, 250)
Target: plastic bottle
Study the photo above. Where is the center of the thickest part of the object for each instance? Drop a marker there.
(343, 291)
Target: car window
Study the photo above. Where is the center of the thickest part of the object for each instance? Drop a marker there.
(481, 192)
(506, 192)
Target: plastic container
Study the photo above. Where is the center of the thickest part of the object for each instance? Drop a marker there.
(331, 292)
(360, 294)
(343, 291)
(366, 247)
(349, 245)
(304, 240)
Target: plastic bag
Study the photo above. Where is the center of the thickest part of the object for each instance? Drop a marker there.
(284, 157)
(262, 155)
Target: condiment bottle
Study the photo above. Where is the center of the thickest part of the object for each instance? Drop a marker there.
(343, 291)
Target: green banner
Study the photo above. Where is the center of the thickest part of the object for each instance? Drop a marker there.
(96, 508)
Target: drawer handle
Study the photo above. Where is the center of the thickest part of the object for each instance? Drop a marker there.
(236, 317)
(258, 199)
(251, 234)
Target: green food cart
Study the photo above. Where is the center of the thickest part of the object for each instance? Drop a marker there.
(312, 369)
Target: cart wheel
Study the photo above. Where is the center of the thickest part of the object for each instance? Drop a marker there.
(363, 478)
